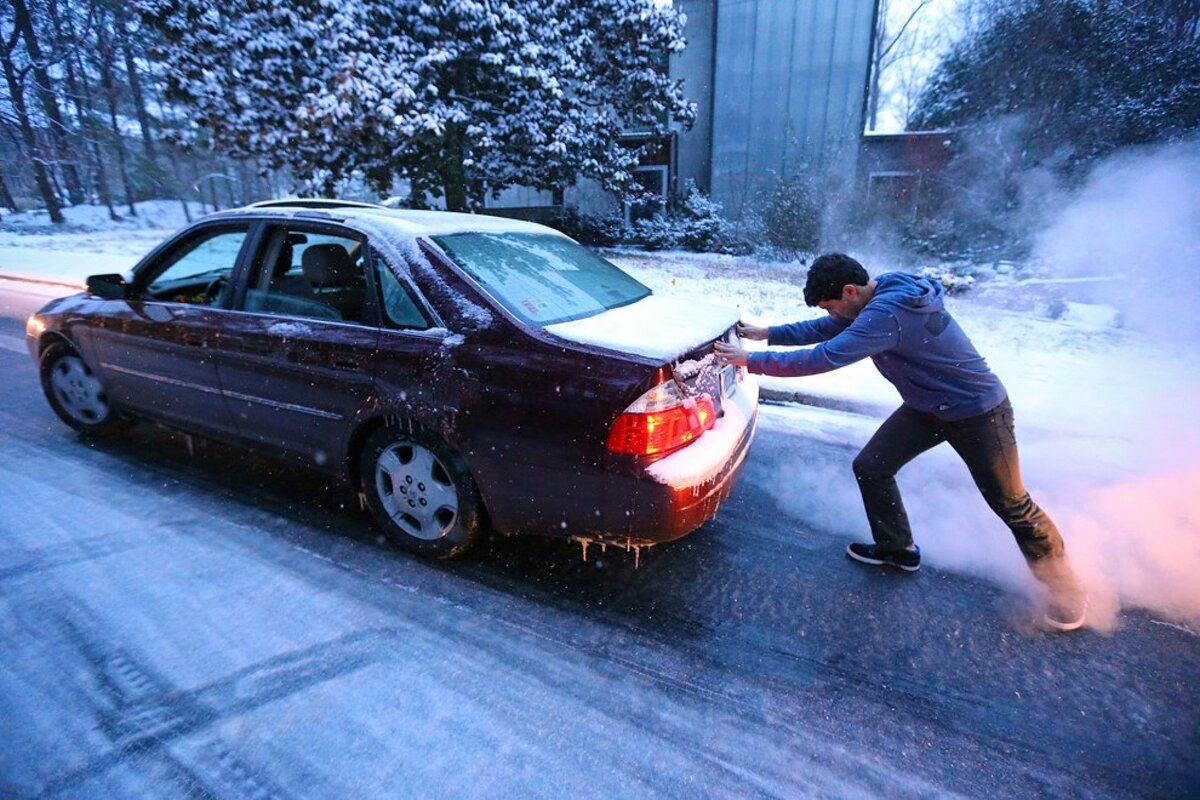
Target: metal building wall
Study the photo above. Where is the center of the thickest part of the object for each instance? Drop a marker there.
(785, 91)
(693, 148)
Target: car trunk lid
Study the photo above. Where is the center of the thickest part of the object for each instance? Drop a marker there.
(667, 329)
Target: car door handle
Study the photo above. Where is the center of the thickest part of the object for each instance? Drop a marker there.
(195, 341)
(343, 362)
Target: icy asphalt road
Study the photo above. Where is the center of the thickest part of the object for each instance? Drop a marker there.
(209, 625)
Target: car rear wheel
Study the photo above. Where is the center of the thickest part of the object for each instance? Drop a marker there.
(75, 393)
(420, 492)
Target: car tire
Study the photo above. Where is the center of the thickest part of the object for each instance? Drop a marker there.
(420, 492)
(77, 396)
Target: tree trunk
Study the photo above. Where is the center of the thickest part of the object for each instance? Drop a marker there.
(873, 102)
(63, 41)
(877, 36)
(228, 181)
(145, 121)
(179, 183)
(139, 99)
(194, 168)
(16, 92)
(212, 193)
(106, 54)
(122, 167)
(454, 175)
(94, 139)
(45, 93)
(79, 92)
(6, 196)
(85, 112)
(245, 183)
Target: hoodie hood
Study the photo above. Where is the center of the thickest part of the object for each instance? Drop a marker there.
(908, 292)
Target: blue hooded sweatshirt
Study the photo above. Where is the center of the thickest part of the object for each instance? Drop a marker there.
(916, 344)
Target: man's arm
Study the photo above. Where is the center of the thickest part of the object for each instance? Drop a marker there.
(809, 331)
(871, 333)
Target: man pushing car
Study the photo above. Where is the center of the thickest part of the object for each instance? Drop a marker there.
(949, 395)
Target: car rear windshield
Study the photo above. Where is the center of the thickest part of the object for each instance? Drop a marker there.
(539, 277)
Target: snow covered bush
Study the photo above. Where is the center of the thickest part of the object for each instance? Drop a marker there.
(953, 281)
(593, 230)
(789, 216)
(692, 222)
(965, 232)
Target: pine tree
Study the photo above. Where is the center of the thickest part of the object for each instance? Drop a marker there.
(1074, 79)
(461, 97)
(1040, 93)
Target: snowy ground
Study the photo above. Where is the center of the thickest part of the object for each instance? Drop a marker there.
(1105, 413)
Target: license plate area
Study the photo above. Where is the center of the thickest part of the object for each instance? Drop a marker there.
(727, 380)
(705, 377)
(699, 373)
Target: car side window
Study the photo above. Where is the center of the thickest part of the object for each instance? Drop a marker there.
(200, 273)
(307, 274)
(399, 305)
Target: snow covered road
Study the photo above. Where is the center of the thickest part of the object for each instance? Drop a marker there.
(193, 621)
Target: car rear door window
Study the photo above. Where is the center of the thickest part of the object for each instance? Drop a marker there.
(541, 278)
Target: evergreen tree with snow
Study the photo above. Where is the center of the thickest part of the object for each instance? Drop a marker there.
(1069, 81)
(460, 97)
(1039, 93)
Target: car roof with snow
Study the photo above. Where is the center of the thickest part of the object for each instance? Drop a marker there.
(406, 221)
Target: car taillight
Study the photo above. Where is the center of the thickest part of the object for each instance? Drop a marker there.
(707, 411)
(661, 420)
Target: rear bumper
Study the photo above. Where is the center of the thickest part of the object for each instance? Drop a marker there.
(625, 503)
(684, 490)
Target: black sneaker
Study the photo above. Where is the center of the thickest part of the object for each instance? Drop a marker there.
(907, 560)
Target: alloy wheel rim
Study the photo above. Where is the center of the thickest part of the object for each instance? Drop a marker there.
(78, 391)
(416, 490)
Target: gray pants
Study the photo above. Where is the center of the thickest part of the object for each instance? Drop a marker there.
(988, 445)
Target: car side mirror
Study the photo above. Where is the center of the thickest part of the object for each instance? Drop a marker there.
(108, 287)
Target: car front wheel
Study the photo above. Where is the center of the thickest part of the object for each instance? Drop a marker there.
(75, 393)
(420, 492)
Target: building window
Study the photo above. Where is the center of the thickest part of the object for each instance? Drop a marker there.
(653, 180)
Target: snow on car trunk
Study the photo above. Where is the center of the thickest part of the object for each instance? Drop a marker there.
(657, 327)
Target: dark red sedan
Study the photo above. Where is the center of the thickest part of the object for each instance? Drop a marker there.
(463, 371)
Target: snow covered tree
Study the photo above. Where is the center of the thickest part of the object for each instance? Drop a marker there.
(17, 69)
(1039, 92)
(461, 97)
(1076, 79)
(44, 88)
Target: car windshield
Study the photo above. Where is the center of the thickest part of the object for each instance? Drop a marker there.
(540, 277)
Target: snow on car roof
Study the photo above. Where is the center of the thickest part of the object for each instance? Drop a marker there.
(433, 223)
(407, 221)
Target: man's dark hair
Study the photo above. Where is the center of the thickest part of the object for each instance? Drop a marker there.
(829, 273)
